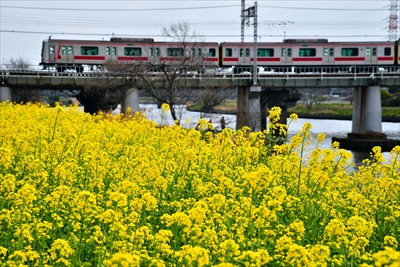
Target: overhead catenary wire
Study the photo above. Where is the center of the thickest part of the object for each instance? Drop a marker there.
(208, 35)
(188, 8)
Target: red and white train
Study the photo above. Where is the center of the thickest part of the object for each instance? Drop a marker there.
(291, 52)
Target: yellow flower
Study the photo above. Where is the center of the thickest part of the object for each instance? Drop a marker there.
(61, 251)
(3, 252)
(294, 116)
(165, 108)
(164, 236)
(387, 257)
(194, 256)
(123, 259)
(321, 137)
(390, 241)
(335, 228)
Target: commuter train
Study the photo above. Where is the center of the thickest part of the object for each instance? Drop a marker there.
(63, 54)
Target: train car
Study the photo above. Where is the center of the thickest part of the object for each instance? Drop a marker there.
(310, 53)
(64, 54)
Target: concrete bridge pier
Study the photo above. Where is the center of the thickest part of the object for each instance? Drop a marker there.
(367, 110)
(242, 107)
(5, 94)
(253, 104)
(248, 108)
(367, 123)
(131, 100)
(278, 98)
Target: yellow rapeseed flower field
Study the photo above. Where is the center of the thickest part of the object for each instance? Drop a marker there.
(82, 190)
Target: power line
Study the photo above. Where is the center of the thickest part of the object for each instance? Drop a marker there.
(125, 9)
(189, 8)
(15, 20)
(325, 9)
(209, 35)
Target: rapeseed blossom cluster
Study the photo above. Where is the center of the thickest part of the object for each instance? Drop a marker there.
(82, 190)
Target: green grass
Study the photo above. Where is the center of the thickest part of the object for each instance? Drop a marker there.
(339, 109)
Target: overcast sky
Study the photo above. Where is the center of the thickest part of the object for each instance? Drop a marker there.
(25, 24)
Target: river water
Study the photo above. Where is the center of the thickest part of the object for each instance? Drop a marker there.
(331, 128)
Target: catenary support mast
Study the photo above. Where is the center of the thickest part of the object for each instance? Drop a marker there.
(243, 17)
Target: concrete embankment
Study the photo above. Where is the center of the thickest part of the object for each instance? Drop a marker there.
(366, 145)
(341, 117)
(313, 116)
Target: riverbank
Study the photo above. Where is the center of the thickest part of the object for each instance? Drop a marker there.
(339, 111)
(342, 117)
(323, 111)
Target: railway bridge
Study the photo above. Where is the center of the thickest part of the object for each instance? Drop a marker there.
(275, 86)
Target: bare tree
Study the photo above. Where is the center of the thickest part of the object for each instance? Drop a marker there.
(107, 91)
(165, 80)
(209, 98)
(312, 96)
(18, 63)
(22, 95)
(183, 64)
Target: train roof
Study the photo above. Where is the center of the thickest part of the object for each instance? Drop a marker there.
(128, 40)
(305, 42)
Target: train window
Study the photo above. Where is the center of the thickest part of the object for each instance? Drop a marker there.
(307, 52)
(70, 50)
(368, 52)
(192, 52)
(175, 52)
(241, 52)
(212, 52)
(114, 51)
(63, 50)
(199, 52)
(374, 51)
(247, 52)
(325, 52)
(132, 51)
(289, 52)
(331, 52)
(283, 52)
(154, 51)
(89, 50)
(388, 51)
(349, 52)
(51, 49)
(107, 51)
(228, 52)
(265, 52)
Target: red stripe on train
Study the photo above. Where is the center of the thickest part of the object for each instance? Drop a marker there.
(171, 59)
(133, 58)
(271, 59)
(349, 58)
(231, 59)
(385, 58)
(89, 58)
(308, 59)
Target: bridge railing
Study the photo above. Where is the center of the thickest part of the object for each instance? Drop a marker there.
(265, 72)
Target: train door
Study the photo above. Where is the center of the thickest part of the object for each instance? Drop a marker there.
(154, 54)
(244, 56)
(371, 55)
(111, 52)
(328, 55)
(67, 53)
(52, 52)
(286, 56)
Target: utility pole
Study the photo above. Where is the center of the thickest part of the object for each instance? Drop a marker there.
(243, 19)
(393, 20)
(251, 12)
